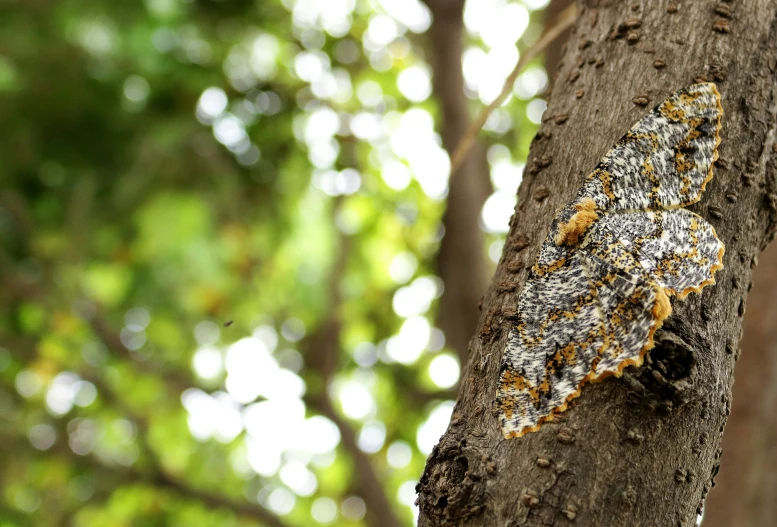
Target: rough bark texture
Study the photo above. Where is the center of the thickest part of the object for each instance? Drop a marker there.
(462, 248)
(746, 490)
(642, 450)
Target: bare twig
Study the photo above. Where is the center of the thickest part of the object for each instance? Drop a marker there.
(322, 355)
(468, 188)
(564, 21)
(17, 288)
(112, 341)
(369, 485)
(321, 350)
(128, 475)
(157, 474)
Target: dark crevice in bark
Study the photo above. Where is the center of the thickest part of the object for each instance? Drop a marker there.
(635, 465)
(667, 377)
(458, 492)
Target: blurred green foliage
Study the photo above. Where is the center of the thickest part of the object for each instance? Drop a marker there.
(203, 247)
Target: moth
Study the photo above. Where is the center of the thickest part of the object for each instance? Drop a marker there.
(614, 256)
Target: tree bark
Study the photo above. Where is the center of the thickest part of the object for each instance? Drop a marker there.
(462, 250)
(746, 490)
(642, 452)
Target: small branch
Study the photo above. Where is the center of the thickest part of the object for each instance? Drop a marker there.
(158, 477)
(14, 445)
(242, 508)
(112, 340)
(461, 249)
(370, 486)
(564, 21)
(419, 398)
(322, 356)
(99, 325)
(162, 478)
(321, 350)
(442, 8)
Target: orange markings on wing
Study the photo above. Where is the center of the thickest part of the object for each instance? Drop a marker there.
(569, 233)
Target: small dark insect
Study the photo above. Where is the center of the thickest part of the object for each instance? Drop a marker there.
(228, 323)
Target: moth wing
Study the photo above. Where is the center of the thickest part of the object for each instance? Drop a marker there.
(589, 309)
(551, 347)
(677, 248)
(632, 305)
(666, 159)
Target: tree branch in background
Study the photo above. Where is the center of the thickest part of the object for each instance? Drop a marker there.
(321, 356)
(554, 51)
(380, 513)
(131, 475)
(242, 508)
(158, 476)
(461, 261)
(321, 350)
(419, 398)
(112, 340)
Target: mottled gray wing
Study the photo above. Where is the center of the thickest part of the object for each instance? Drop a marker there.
(601, 284)
(551, 348)
(666, 159)
(677, 248)
(632, 305)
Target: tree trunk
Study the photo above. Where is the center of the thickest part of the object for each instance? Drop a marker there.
(746, 490)
(462, 250)
(617, 456)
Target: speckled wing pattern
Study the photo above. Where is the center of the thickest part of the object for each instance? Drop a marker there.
(601, 284)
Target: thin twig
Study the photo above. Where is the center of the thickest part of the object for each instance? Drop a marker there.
(321, 349)
(158, 475)
(562, 23)
(11, 445)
